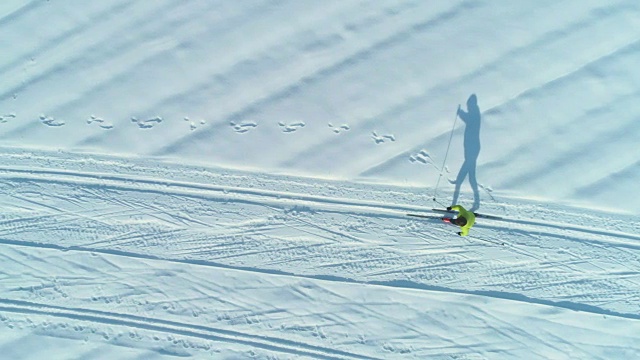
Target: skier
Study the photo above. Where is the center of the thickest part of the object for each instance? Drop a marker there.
(465, 219)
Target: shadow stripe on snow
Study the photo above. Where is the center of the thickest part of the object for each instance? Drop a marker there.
(400, 284)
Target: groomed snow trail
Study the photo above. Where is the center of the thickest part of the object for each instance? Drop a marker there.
(205, 256)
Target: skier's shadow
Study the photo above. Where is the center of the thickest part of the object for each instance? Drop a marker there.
(471, 118)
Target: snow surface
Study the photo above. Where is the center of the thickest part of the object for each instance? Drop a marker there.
(230, 179)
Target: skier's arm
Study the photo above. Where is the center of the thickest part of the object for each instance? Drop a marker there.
(463, 115)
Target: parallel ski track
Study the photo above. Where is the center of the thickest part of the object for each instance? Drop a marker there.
(177, 328)
(391, 284)
(278, 199)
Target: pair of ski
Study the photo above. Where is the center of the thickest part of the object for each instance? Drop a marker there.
(478, 215)
(483, 216)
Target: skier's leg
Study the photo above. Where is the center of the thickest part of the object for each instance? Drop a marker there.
(459, 180)
(474, 186)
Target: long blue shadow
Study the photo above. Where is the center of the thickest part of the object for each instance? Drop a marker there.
(471, 118)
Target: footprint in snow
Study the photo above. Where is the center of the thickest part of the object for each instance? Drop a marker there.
(101, 122)
(291, 127)
(379, 139)
(422, 157)
(7, 117)
(243, 127)
(192, 124)
(50, 121)
(146, 124)
(339, 129)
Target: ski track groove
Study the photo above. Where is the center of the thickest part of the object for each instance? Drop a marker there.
(226, 193)
(178, 328)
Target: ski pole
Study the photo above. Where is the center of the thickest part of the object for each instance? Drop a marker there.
(445, 155)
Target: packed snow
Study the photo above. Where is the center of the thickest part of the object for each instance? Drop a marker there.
(232, 179)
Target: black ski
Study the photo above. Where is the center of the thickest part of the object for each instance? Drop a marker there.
(478, 215)
(426, 216)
